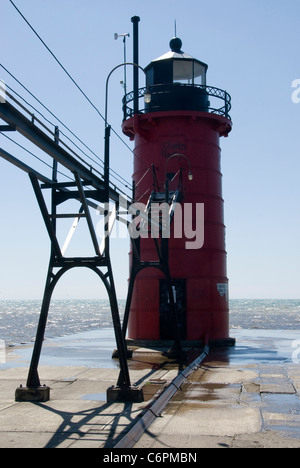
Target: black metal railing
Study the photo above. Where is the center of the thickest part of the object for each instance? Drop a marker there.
(217, 101)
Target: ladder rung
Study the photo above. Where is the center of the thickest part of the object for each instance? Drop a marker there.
(67, 215)
(58, 185)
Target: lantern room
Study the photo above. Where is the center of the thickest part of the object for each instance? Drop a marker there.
(176, 81)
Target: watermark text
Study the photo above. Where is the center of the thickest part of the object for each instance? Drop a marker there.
(179, 221)
(296, 92)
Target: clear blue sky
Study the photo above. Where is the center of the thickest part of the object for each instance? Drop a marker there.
(252, 49)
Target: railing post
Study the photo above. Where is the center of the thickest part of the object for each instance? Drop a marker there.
(226, 105)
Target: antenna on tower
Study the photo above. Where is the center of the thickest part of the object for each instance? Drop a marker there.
(116, 36)
(175, 28)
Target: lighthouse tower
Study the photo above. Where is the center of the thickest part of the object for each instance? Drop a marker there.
(177, 142)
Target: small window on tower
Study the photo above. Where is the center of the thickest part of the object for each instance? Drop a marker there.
(189, 72)
(199, 74)
(183, 72)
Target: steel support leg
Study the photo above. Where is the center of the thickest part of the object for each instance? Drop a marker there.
(124, 379)
(128, 302)
(33, 377)
(33, 390)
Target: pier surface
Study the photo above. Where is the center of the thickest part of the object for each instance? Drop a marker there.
(242, 397)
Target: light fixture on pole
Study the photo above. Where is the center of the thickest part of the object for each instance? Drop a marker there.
(179, 155)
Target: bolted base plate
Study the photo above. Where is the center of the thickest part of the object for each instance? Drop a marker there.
(125, 395)
(38, 394)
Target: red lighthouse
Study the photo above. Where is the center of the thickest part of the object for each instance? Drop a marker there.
(177, 143)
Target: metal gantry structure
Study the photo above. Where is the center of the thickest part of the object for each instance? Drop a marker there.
(92, 191)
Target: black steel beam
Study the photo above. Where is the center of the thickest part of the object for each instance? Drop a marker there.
(135, 20)
(45, 214)
(63, 193)
(29, 170)
(87, 214)
(7, 128)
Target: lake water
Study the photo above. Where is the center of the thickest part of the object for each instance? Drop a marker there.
(19, 319)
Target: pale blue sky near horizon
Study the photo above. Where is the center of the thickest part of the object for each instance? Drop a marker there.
(252, 50)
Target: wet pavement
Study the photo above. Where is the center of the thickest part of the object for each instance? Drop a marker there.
(247, 396)
(244, 397)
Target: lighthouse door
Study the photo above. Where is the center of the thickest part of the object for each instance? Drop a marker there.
(165, 312)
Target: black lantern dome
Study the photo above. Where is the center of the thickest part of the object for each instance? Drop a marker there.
(176, 81)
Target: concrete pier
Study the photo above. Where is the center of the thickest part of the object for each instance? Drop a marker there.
(247, 396)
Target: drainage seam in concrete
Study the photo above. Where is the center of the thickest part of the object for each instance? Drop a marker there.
(135, 433)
